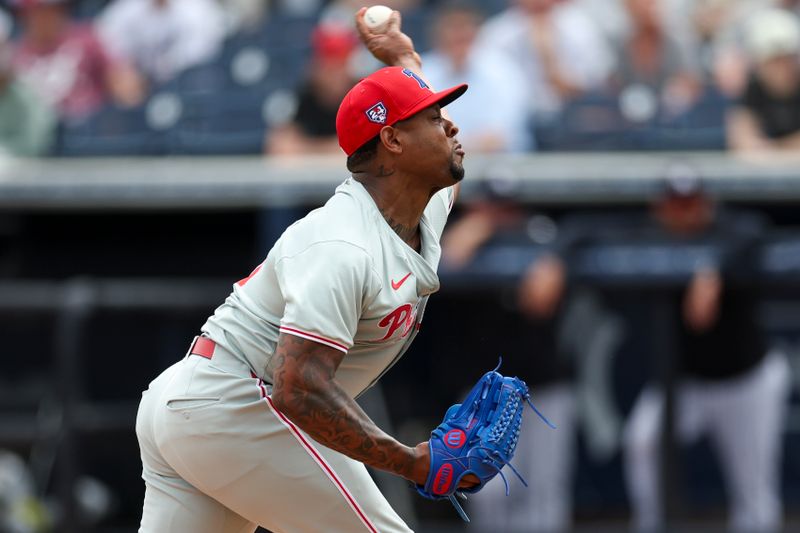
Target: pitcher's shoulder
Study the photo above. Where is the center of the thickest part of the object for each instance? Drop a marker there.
(342, 218)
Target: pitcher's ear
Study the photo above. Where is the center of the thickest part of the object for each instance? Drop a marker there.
(390, 139)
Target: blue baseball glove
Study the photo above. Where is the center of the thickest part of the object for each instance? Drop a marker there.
(477, 436)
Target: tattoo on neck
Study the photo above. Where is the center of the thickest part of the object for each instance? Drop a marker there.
(408, 234)
(383, 171)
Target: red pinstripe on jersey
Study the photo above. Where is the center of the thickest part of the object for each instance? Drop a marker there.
(315, 338)
(312, 451)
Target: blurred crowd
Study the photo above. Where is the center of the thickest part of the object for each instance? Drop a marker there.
(120, 77)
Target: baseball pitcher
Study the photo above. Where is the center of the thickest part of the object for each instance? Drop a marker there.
(257, 424)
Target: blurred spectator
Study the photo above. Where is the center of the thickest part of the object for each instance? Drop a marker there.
(716, 25)
(655, 71)
(245, 15)
(340, 13)
(27, 125)
(560, 50)
(66, 64)
(717, 28)
(609, 16)
(163, 37)
(313, 128)
(489, 119)
(730, 387)
(720, 30)
(768, 115)
(534, 312)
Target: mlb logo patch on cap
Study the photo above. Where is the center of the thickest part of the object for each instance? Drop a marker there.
(377, 113)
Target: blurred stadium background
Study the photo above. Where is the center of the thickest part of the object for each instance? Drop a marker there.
(153, 150)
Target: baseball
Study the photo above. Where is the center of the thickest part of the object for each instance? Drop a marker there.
(377, 16)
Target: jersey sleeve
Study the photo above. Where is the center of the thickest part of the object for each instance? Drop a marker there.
(323, 288)
(439, 209)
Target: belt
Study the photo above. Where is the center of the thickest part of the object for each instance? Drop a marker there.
(202, 346)
(224, 360)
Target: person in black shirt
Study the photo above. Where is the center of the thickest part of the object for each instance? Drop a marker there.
(526, 316)
(731, 388)
(768, 115)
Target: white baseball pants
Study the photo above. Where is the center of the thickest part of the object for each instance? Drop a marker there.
(219, 458)
(744, 418)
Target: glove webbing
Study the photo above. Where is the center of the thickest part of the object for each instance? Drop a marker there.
(492, 456)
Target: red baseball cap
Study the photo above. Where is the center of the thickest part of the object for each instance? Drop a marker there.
(383, 98)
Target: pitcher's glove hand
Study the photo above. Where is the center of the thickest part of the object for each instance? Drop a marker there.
(477, 436)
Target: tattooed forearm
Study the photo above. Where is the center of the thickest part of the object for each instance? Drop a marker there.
(305, 390)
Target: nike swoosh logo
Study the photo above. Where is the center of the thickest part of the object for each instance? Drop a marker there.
(399, 284)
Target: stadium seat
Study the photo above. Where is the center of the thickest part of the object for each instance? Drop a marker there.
(278, 31)
(590, 123)
(112, 132)
(416, 24)
(253, 60)
(229, 122)
(206, 78)
(248, 67)
(217, 108)
(701, 128)
(594, 122)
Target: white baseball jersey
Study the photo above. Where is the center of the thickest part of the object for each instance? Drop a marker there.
(217, 456)
(341, 277)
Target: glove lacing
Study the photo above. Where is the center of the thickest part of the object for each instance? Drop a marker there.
(492, 456)
(495, 457)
